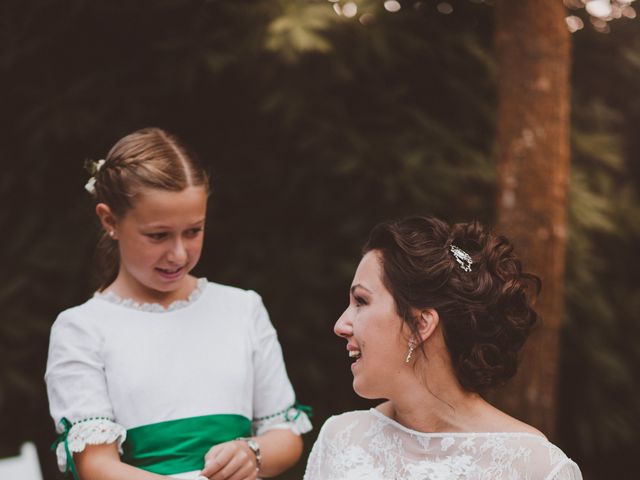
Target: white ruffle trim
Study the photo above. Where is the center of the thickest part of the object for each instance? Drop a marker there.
(90, 432)
(155, 307)
(291, 419)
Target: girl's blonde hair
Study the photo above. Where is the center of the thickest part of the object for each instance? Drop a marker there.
(150, 158)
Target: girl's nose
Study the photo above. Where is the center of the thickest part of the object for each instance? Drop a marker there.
(178, 253)
(343, 327)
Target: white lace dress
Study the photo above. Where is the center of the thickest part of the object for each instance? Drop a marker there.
(367, 445)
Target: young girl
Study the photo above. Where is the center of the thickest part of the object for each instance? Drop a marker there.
(161, 373)
(436, 315)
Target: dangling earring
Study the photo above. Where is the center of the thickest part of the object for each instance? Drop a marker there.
(412, 346)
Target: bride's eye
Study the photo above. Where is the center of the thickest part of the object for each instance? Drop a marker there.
(359, 301)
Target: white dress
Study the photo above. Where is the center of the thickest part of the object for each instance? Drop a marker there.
(367, 445)
(115, 365)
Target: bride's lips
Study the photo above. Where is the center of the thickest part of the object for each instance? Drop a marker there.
(355, 353)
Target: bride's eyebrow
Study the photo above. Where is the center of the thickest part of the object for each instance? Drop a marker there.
(358, 285)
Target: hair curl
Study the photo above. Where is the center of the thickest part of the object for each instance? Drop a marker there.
(150, 158)
(486, 314)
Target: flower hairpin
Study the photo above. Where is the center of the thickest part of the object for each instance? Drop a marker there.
(94, 168)
(462, 257)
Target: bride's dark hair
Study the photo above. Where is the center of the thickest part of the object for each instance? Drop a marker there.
(485, 313)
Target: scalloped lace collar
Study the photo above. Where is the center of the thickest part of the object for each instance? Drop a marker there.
(381, 416)
(155, 307)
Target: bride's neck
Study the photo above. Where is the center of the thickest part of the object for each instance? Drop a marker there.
(435, 404)
(437, 414)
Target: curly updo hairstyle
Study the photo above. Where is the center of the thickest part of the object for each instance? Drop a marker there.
(150, 158)
(485, 314)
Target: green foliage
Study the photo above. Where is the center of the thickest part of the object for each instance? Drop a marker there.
(298, 30)
(599, 407)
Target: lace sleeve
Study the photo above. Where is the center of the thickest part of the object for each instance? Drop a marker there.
(341, 452)
(317, 462)
(567, 470)
(91, 431)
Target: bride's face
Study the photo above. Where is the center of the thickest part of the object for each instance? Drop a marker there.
(373, 330)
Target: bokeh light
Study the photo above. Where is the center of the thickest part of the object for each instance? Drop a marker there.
(349, 9)
(574, 23)
(599, 8)
(366, 19)
(392, 6)
(445, 8)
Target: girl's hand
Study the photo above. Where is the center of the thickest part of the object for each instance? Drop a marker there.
(232, 460)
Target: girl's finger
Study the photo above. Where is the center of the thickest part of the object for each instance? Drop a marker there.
(228, 470)
(238, 465)
(216, 459)
(247, 472)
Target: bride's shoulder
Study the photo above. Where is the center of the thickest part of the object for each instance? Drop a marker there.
(354, 419)
(488, 418)
(347, 418)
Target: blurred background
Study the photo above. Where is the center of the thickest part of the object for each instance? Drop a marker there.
(318, 120)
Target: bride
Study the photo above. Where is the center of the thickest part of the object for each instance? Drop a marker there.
(436, 316)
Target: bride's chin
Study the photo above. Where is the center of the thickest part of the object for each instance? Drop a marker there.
(362, 390)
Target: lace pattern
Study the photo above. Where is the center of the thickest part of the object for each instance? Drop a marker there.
(154, 307)
(94, 431)
(291, 418)
(367, 445)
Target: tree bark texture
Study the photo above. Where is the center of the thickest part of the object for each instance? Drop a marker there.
(533, 52)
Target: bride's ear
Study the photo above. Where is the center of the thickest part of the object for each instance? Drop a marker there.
(428, 321)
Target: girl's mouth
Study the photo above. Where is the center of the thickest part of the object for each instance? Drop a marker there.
(170, 273)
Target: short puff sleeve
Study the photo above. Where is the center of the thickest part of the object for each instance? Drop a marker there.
(77, 388)
(274, 401)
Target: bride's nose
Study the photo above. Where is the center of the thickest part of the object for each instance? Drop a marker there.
(343, 327)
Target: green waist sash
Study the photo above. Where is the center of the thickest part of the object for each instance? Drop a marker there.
(177, 446)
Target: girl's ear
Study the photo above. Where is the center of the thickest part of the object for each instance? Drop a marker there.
(107, 219)
(428, 321)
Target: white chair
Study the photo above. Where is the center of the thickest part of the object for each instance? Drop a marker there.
(23, 467)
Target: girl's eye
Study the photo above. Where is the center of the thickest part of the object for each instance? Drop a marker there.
(193, 232)
(156, 236)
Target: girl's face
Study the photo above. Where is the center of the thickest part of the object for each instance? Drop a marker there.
(160, 238)
(373, 330)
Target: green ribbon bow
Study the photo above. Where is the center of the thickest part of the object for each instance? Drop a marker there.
(299, 408)
(63, 438)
